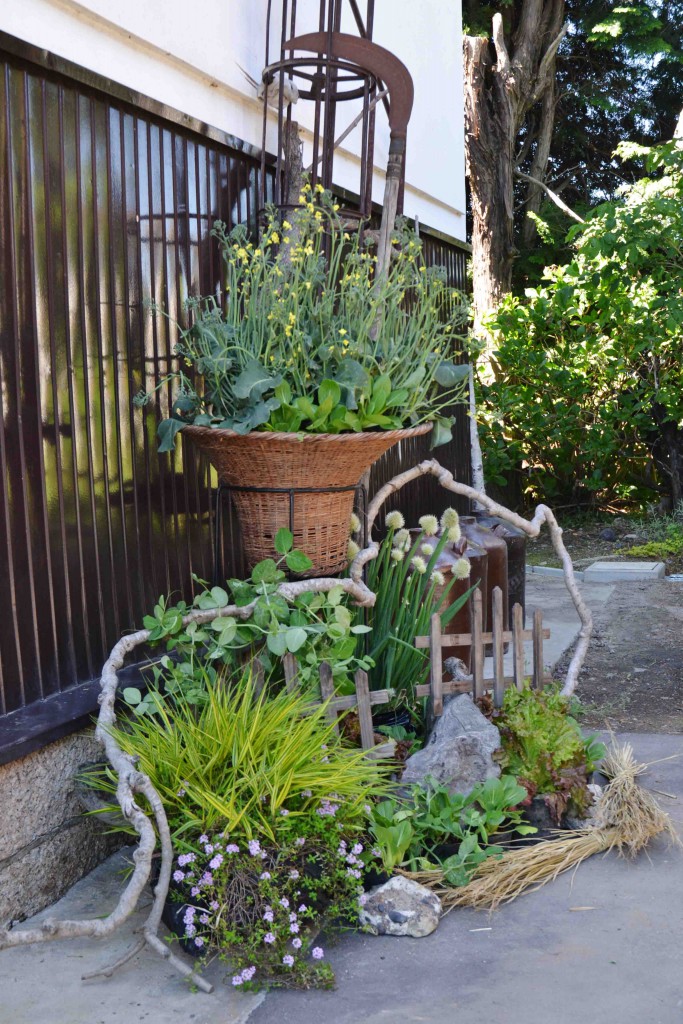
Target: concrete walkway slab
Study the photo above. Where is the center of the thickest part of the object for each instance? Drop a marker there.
(623, 572)
(550, 594)
(42, 984)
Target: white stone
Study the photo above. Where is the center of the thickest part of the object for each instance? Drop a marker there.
(617, 572)
(401, 907)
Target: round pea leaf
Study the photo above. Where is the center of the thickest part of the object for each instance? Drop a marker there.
(284, 540)
(297, 561)
(295, 638)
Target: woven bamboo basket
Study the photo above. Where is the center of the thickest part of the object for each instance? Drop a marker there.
(304, 469)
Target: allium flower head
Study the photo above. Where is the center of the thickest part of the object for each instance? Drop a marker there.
(461, 569)
(402, 539)
(438, 578)
(454, 533)
(426, 550)
(429, 524)
(397, 554)
(395, 521)
(355, 523)
(352, 550)
(419, 565)
(449, 518)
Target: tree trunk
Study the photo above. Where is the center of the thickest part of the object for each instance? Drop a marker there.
(539, 164)
(489, 148)
(505, 78)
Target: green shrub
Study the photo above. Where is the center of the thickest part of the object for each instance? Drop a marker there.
(587, 401)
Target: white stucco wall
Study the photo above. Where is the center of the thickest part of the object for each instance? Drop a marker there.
(188, 56)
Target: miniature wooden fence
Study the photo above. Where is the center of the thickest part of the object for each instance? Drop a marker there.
(364, 699)
(479, 640)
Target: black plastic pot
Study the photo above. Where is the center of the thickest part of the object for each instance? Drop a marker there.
(399, 716)
(174, 910)
(375, 876)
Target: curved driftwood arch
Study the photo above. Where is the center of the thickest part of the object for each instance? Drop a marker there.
(132, 782)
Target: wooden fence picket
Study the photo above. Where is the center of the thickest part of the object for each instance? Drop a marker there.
(498, 629)
(327, 691)
(364, 707)
(477, 657)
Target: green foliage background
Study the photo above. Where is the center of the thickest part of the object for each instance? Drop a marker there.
(587, 403)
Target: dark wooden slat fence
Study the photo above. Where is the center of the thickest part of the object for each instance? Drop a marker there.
(105, 207)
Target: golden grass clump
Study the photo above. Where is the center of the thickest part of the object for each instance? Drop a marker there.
(626, 818)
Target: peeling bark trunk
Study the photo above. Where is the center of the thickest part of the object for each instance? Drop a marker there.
(489, 147)
(505, 78)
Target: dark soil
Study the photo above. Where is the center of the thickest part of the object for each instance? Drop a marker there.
(585, 543)
(632, 679)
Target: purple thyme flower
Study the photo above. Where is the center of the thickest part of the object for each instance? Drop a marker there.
(269, 937)
(294, 927)
(306, 793)
(296, 943)
(288, 960)
(294, 874)
(216, 861)
(284, 902)
(284, 812)
(268, 916)
(248, 973)
(264, 876)
(303, 908)
(358, 848)
(178, 876)
(254, 847)
(300, 841)
(317, 953)
(204, 919)
(203, 839)
(232, 848)
(237, 979)
(199, 941)
(214, 904)
(194, 891)
(208, 849)
(292, 916)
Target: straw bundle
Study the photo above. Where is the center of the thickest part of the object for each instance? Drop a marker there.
(626, 818)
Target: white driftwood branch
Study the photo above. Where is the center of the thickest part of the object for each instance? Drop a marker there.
(132, 782)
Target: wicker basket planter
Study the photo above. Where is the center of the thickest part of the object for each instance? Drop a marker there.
(316, 473)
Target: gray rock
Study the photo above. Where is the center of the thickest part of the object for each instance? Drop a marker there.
(401, 907)
(459, 753)
(608, 534)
